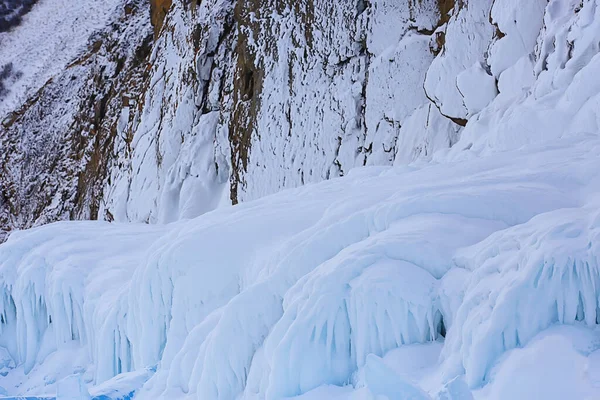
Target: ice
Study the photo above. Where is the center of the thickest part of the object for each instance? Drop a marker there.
(456, 389)
(68, 289)
(525, 279)
(280, 296)
(72, 388)
(556, 364)
(382, 381)
(122, 386)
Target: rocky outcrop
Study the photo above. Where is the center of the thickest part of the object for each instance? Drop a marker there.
(274, 95)
(178, 109)
(158, 12)
(56, 146)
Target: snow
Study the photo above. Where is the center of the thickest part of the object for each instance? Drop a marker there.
(356, 98)
(64, 27)
(477, 87)
(168, 170)
(467, 37)
(72, 388)
(551, 91)
(277, 297)
(557, 364)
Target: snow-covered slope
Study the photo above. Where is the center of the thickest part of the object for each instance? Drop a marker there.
(274, 298)
(56, 145)
(63, 27)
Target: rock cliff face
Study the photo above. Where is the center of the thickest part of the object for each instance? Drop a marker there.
(176, 108)
(56, 145)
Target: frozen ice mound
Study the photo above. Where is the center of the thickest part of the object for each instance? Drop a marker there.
(277, 297)
(67, 288)
(525, 279)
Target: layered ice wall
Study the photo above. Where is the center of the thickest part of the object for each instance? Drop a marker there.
(525, 279)
(66, 290)
(277, 297)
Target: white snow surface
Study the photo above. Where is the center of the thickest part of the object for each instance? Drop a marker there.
(51, 36)
(277, 297)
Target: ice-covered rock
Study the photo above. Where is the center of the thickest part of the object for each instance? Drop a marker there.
(456, 389)
(383, 382)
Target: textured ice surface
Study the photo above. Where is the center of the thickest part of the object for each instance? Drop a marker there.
(280, 296)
